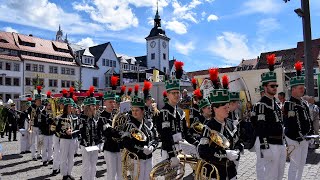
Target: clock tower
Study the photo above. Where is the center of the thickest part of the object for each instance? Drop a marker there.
(158, 47)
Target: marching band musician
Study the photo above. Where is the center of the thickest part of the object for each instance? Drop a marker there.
(204, 116)
(13, 118)
(67, 140)
(234, 117)
(45, 126)
(148, 109)
(298, 125)
(194, 110)
(23, 128)
(75, 119)
(269, 145)
(143, 149)
(111, 147)
(90, 136)
(35, 115)
(222, 155)
(56, 136)
(171, 123)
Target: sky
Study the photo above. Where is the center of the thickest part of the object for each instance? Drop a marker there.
(203, 33)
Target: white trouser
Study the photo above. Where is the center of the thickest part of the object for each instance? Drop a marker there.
(274, 167)
(23, 140)
(77, 146)
(67, 155)
(145, 169)
(34, 141)
(47, 148)
(113, 161)
(89, 164)
(298, 158)
(56, 153)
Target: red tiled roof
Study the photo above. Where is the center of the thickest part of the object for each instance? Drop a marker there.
(32, 58)
(7, 57)
(41, 46)
(25, 38)
(7, 36)
(206, 72)
(60, 45)
(315, 48)
(285, 57)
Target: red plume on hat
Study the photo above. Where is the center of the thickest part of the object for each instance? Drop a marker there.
(225, 81)
(136, 89)
(147, 85)
(114, 82)
(123, 90)
(198, 93)
(91, 90)
(214, 77)
(298, 67)
(129, 92)
(164, 94)
(71, 91)
(39, 89)
(48, 94)
(179, 68)
(29, 99)
(271, 60)
(64, 93)
(75, 98)
(194, 83)
(88, 93)
(100, 95)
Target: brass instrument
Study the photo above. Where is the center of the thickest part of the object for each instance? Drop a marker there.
(164, 168)
(54, 107)
(129, 162)
(198, 127)
(202, 172)
(219, 139)
(119, 121)
(155, 110)
(290, 151)
(31, 122)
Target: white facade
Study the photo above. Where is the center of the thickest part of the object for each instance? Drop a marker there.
(54, 76)
(99, 74)
(158, 53)
(11, 81)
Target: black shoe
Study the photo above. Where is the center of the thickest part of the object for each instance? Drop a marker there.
(15, 140)
(34, 159)
(55, 172)
(65, 177)
(39, 157)
(50, 162)
(22, 152)
(45, 163)
(71, 177)
(27, 152)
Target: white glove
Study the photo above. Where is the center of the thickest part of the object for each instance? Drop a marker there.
(235, 122)
(267, 154)
(311, 141)
(147, 150)
(174, 161)
(232, 154)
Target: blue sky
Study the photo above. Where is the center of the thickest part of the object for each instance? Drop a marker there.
(204, 33)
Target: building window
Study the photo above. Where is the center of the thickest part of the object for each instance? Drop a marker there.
(8, 96)
(72, 71)
(68, 83)
(41, 68)
(63, 70)
(164, 56)
(35, 67)
(16, 67)
(114, 64)
(103, 62)
(72, 83)
(28, 82)
(107, 80)
(0, 65)
(8, 81)
(53, 83)
(153, 56)
(63, 83)
(13, 52)
(28, 67)
(67, 71)
(8, 66)
(95, 81)
(1, 81)
(107, 62)
(16, 96)
(165, 70)
(16, 81)
(53, 69)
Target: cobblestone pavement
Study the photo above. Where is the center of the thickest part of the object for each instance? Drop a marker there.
(19, 167)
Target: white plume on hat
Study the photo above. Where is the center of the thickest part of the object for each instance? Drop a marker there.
(10, 101)
(1, 103)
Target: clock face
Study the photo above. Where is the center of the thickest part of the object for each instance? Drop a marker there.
(164, 44)
(153, 44)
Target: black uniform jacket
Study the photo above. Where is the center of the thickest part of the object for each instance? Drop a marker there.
(135, 146)
(172, 128)
(90, 134)
(46, 123)
(297, 119)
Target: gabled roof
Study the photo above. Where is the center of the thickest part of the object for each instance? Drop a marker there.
(7, 41)
(315, 44)
(98, 50)
(206, 72)
(171, 63)
(86, 52)
(142, 60)
(284, 58)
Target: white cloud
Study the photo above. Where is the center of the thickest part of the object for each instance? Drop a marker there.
(265, 6)
(203, 15)
(212, 17)
(184, 48)
(268, 25)
(232, 47)
(86, 42)
(44, 15)
(184, 12)
(10, 29)
(176, 26)
(115, 15)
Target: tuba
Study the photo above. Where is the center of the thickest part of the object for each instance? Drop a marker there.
(164, 168)
(130, 165)
(205, 171)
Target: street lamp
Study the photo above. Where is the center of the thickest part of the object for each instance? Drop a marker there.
(304, 13)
